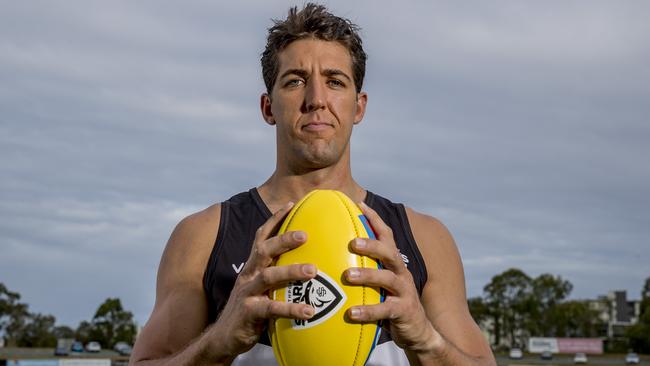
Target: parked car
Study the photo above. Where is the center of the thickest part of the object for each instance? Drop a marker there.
(123, 348)
(59, 351)
(516, 353)
(580, 358)
(77, 347)
(632, 359)
(546, 355)
(93, 347)
(62, 347)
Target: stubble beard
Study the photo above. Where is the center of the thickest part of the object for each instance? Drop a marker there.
(315, 155)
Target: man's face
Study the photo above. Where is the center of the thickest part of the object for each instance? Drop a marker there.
(314, 103)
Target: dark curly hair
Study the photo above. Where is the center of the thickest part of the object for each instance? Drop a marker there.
(313, 21)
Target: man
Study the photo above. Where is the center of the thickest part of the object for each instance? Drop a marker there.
(211, 303)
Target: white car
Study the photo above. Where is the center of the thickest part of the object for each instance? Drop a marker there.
(580, 358)
(93, 347)
(632, 358)
(516, 353)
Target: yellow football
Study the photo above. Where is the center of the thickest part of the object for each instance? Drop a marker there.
(331, 220)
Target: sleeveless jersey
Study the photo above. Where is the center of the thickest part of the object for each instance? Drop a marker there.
(242, 215)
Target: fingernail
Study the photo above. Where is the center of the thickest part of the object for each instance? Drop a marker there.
(308, 311)
(360, 243)
(309, 269)
(289, 204)
(355, 312)
(353, 273)
(299, 235)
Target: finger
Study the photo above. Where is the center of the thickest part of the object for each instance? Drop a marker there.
(382, 230)
(265, 308)
(373, 313)
(275, 277)
(374, 278)
(273, 223)
(387, 254)
(263, 253)
(279, 244)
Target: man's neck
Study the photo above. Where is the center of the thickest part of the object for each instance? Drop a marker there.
(281, 188)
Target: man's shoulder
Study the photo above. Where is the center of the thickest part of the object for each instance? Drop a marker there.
(434, 240)
(425, 223)
(199, 223)
(203, 225)
(191, 242)
(423, 226)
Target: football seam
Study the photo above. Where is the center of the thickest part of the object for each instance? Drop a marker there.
(295, 209)
(363, 263)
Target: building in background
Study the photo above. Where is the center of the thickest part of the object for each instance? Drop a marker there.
(617, 312)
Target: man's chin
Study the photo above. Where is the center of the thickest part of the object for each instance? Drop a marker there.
(317, 155)
(320, 159)
(320, 162)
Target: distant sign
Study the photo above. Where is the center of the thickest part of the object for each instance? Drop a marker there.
(62, 362)
(586, 345)
(539, 345)
(565, 345)
(33, 363)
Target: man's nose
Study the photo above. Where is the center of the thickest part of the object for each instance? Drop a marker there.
(315, 95)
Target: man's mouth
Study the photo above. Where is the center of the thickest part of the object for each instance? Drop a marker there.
(316, 126)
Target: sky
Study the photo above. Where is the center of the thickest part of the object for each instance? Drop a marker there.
(523, 126)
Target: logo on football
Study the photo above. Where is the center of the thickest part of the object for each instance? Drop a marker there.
(321, 292)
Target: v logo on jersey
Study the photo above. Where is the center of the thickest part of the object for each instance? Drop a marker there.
(321, 292)
(238, 268)
(404, 258)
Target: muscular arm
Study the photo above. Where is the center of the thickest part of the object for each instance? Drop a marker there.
(174, 333)
(458, 341)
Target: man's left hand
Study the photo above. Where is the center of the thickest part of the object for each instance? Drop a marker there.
(401, 311)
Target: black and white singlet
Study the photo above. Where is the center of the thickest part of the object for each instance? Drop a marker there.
(243, 214)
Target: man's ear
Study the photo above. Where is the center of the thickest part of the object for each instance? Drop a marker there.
(265, 107)
(362, 100)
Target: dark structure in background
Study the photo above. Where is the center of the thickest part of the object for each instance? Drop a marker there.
(617, 313)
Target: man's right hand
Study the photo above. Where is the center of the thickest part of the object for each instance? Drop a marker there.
(249, 307)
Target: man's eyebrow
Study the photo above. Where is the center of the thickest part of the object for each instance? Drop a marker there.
(336, 72)
(298, 72)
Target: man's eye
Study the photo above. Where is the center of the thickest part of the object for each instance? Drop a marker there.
(294, 82)
(336, 82)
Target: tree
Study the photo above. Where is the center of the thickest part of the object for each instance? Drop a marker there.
(13, 315)
(38, 332)
(548, 292)
(574, 319)
(112, 324)
(83, 332)
(521, 306)
(479, 309)
(645, 297)
(639, 334)
(508, 296)
(63, 331)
